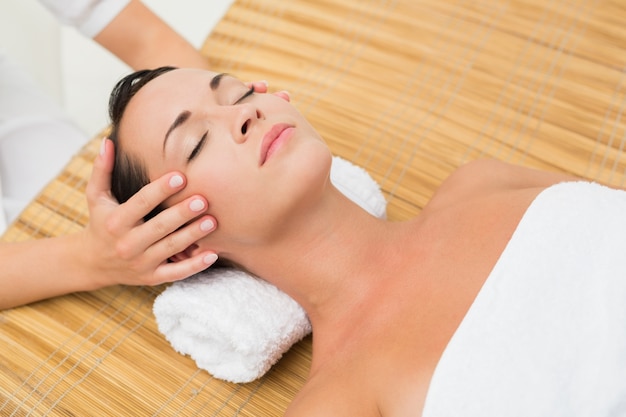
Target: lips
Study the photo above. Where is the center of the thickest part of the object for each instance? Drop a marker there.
(275, 137)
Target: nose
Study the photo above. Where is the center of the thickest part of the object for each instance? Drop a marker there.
(246, 119)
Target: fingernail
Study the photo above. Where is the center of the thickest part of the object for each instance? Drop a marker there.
(207, 225)
(264, 82)
(176, 181)
(103, 146)
(210, 258)
(196, 205)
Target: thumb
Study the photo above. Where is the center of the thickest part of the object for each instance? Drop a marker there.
(100, 181)
(284, 95)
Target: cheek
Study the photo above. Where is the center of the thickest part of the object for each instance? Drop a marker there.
(227, 189)
(252, 205)
(266, 206)
(239, 205)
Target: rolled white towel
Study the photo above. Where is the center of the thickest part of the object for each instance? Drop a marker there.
(236, 326)
(232, 324)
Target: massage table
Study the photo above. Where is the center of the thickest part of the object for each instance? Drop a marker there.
(407, 89)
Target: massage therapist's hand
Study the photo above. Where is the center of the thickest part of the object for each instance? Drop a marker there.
(119, 248)
(125, 250)
(116, 247)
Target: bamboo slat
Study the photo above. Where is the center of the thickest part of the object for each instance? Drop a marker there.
(408, 89)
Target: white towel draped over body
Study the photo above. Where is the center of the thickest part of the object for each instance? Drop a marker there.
(546, 335)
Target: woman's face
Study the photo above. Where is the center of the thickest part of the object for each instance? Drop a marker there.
(253, 156)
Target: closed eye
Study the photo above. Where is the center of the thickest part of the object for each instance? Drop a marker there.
(196, 150)
(198, 147)
(248, 94)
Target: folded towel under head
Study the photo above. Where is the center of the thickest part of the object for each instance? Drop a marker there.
(237, 326)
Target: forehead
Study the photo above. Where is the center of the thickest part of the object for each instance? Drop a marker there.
(175, 90)
(158, 103)
(175, 84)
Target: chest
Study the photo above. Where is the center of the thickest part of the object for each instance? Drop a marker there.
(387, 370)
(387, 376)
(375, 381)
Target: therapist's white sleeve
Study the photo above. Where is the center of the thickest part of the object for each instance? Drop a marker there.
(88, 16)
(36, 139)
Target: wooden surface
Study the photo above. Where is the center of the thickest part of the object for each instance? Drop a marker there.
(409, 90)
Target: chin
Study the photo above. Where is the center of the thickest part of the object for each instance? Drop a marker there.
(310, 176)
(298, 181)
(313, 166)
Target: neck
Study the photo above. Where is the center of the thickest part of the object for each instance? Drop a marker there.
(332, 260)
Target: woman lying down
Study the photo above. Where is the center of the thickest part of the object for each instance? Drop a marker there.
(506, 295)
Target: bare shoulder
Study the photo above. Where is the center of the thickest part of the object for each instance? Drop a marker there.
(483, 177)
(494, 174)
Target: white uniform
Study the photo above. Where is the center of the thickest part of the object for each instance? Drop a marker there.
(36, 137)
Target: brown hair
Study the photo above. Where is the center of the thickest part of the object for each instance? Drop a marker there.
(129, 174)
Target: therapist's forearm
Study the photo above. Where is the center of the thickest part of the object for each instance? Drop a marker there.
(142, 40)
(39, 269)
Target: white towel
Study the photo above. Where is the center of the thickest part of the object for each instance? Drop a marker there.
(236, 326)
(546, 335)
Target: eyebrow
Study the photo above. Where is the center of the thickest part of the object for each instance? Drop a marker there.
(186, 114)
(182, 118)
(215, 81)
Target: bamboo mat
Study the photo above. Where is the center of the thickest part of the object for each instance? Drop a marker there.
(408, 89)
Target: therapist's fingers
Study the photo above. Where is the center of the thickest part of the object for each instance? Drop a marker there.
(127, 250)
(180, 246)
(173, 229)
(140, 204)
(99, 185)
(259, 86)
(283, 94)
(150, 196)
(175, 271)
